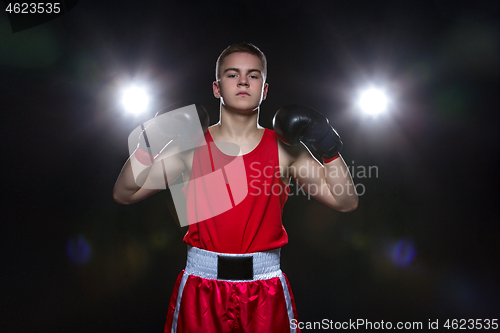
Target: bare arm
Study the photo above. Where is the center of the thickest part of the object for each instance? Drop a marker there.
(137, 182)
(330, 184)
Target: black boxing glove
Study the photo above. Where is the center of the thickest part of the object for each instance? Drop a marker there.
(181, 122)
(294, 123)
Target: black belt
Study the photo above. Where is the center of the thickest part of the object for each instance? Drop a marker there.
(234, 268)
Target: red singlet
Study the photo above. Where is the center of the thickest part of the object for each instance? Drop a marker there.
(255, 223)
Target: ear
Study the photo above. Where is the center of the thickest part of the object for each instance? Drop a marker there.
(216, 89)
(264, 95)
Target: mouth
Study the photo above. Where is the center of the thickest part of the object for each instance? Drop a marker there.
(242, 93)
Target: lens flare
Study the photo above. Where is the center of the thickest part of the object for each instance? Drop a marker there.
(373, 101)
(135, 100)
(403, 253)
(78, 250)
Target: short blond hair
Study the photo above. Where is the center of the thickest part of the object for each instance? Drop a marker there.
(241, 48)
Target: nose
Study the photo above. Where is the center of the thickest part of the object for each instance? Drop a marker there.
(243, 81)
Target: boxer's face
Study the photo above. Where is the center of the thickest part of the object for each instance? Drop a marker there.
(241, 85)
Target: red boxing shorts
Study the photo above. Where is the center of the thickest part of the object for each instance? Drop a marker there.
(221, 292)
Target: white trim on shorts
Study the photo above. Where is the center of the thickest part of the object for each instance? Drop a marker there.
(202, 263)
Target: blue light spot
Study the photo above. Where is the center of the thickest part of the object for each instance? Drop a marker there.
(78, 250)
(403, 253)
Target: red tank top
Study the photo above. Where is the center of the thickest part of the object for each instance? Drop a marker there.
(235, 204)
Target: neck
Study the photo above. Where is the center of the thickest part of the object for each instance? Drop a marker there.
(237, 124)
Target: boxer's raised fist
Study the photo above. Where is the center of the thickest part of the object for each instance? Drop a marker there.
(294, 123)
(182, 122)
(186, 123)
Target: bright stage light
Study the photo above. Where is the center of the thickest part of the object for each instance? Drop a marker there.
(373, 101)
(135, 100)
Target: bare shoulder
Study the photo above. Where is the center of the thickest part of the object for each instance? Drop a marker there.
(288, 155)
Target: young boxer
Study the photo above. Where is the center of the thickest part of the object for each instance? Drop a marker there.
(232, 281)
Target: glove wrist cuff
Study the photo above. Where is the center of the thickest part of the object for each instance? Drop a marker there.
(143, 157)
(328, 160)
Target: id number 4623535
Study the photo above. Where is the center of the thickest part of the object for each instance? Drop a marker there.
(464, 324)
(33, 8)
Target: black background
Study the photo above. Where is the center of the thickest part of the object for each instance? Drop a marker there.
(64, 141)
